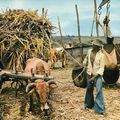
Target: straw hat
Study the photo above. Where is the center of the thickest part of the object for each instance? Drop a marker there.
(97, 42)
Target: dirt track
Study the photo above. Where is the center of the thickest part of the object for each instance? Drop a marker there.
(67, 102)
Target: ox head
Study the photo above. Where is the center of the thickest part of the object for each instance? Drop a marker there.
(42, 88)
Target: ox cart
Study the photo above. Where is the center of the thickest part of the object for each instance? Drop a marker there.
(73, 58)
(73, 53)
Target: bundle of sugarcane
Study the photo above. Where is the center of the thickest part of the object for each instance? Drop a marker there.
(20, 32)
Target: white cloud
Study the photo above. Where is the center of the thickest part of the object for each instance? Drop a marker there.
(61, 9)
(115, 32)
(115, 17)
(69, 8)
(115, 5)
(66, 24)
(86, 17)
(17, 4)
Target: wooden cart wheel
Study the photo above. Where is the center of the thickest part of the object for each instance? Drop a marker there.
(81, 80)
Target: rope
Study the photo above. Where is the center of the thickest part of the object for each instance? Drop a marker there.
(108, 6)
(118, 49)
(69, 54)
(92, 25)
(106, 19)
(74, 60)
(79, 74)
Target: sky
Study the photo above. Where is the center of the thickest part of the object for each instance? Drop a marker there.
(65, 10)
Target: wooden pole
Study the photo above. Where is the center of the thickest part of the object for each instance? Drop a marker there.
(43, 11)
(22, 76)
(79, 38)
(96, 18)
(60, 32)
(107, 20)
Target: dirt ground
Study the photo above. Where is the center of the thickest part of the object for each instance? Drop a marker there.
(67, 102)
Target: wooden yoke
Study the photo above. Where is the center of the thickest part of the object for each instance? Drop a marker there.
(24, 76)
(19, 78)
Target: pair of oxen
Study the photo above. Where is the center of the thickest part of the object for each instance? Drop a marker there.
(40, 86)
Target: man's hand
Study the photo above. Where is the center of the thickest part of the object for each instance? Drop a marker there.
(118, 65)
(93, 78)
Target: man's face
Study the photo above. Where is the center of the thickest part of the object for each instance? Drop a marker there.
(95, 47)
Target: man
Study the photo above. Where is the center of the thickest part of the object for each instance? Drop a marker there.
(52, 57)
(69, 45)
(94, 63)
(110, 53)
(111, 73)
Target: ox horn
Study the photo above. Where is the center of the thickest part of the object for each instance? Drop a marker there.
(29, 87)
(51, 82)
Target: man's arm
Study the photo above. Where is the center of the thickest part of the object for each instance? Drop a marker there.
(101, 69)
(85, 61)
(94, 77)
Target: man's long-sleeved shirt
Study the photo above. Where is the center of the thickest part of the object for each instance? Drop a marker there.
(98, 65)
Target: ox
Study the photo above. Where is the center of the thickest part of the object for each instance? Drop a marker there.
(52, 57)
(43, 90)
(57, 54)
(36, 66)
